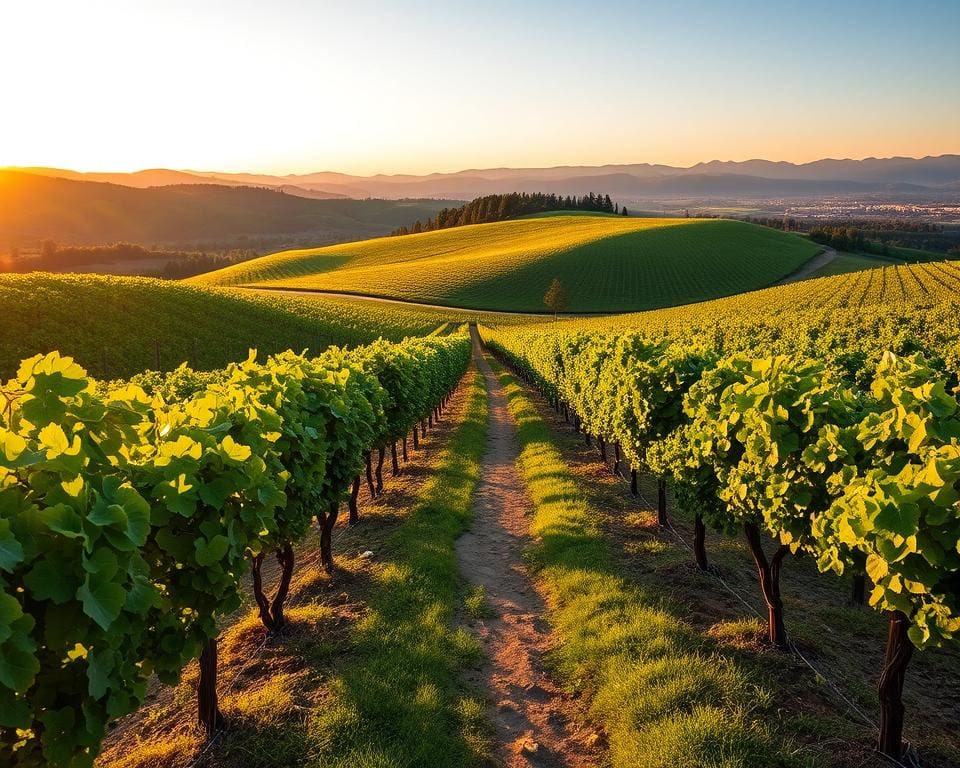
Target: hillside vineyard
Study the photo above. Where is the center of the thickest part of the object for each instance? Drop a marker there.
(607, 263)
(835, 433)
(129, 518)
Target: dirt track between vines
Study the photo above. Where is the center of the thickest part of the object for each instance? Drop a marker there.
(533, 720)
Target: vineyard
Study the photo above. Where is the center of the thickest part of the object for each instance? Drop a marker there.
(831, 432)
(606, 263)
(118, 326)
(130, 519)
(151, 490)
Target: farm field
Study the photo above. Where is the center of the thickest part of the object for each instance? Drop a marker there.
(886, 289)
(114, 325)
(606, 263)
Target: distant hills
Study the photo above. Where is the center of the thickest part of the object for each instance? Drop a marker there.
(35, 207)
(927, 176)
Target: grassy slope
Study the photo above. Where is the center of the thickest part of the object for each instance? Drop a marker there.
(852, 262)
(607, 263)
(663, 696)
(116, 321)
(847, 262)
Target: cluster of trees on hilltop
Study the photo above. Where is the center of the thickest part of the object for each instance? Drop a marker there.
(500, 207)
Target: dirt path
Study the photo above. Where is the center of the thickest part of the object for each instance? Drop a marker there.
(531, 716)
(817, 262)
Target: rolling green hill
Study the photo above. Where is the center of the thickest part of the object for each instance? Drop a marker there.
(606, 263)
(114, 325)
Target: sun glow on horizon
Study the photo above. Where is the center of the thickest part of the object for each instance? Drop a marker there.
(375, 88)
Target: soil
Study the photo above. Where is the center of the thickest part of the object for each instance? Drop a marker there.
(534, 722)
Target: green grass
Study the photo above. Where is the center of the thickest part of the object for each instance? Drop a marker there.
(853, 262)
(607, 263)
(476, 603)
(664, 696)
(848, 262)
(398, 701)
(112, 325)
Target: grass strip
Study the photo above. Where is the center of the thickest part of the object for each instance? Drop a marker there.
(398, 700)
(663, 695)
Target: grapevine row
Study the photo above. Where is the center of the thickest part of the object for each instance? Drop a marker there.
(853, 460)
(130, 513)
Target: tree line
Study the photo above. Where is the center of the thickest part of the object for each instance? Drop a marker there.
(868, 235)
(490, 208)
(54, 257)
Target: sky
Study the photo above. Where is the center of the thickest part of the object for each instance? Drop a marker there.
(371, 86)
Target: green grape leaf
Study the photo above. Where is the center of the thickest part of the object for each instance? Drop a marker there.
(102, 599)
(11, 551)
(17, 668)
(900, 518)
(212, 551)
(49, 580)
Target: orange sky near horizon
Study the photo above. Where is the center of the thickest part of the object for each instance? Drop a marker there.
(380, 87)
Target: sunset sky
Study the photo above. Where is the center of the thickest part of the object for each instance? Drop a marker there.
(413, 87)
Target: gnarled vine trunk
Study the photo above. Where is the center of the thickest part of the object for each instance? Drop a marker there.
(662, 501)
(373, 491)
(859, 595)
(769, 574)
(394, 464)
(381, 455)
(271, 610)
(327, 522)
(405, 448)
(208, 704)
(416, 441)
(616, 458)
(699, 543)
(354, 493)
(899, 651)
(603, 449)
(633, 483)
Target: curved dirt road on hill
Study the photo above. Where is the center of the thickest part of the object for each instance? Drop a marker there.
(806, 270)
(530, 714)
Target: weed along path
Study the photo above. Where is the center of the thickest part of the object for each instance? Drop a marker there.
(530, 716)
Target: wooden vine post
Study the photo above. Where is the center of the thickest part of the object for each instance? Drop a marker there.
(898, 654)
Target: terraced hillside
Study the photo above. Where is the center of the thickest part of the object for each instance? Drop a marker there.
(606, 263)
(118, 326)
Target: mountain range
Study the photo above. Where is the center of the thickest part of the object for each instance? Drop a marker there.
(925, 177)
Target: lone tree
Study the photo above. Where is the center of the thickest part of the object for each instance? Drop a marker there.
(555, 298)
